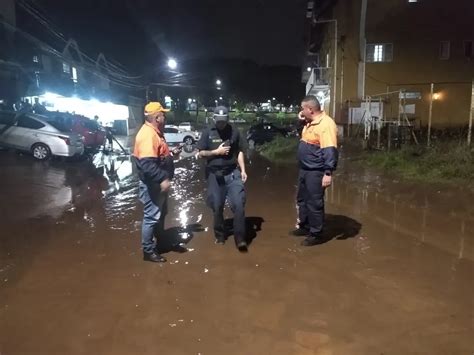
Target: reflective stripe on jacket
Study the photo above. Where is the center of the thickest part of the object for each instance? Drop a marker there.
(152, 155)
(317, 149)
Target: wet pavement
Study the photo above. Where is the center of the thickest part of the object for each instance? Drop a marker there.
(395, 275)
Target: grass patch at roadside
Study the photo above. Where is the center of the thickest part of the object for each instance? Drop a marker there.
(444, 162)
(280, 149)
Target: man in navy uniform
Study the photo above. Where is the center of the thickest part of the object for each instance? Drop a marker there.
(223, 147)
(318, 156)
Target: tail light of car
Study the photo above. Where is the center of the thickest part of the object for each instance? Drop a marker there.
(66, 140)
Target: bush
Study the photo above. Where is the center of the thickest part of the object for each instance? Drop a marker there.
(280, 149)
(444, 162)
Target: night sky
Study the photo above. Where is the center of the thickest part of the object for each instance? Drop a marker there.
(140, 32)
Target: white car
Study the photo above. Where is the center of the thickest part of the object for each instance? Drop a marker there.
(185, 126)
(174, 135)
(32, 133)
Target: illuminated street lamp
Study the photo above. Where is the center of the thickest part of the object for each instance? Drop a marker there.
(172, 64)
(218, 82)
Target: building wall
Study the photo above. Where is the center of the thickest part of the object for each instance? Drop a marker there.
(7, 11)
(415, 30)
(8, 71)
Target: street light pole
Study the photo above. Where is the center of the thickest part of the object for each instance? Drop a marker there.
(334, 66)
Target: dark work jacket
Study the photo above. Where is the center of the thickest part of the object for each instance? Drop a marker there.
(212, 138)
(152, 156)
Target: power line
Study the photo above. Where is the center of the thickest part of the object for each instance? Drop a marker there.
(48, 49)
(118, 72)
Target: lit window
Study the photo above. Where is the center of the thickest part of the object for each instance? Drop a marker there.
(35, 59)
(379, 52)
(66, 68)
(309, 12)
(412, 0)
(444, 50)
(74, 74)
(468, 49)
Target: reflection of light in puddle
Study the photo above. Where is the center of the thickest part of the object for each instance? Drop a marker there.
(183, 217)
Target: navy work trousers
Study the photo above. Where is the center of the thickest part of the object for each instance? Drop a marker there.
(310, 201)
(231, 187)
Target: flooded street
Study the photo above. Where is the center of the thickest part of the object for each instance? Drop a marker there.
(394, 277)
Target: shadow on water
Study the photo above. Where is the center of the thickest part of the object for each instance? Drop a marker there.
(252, 226)
(174, 239)
(339, 227)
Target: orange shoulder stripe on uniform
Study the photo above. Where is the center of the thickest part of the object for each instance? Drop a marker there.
(148, 144)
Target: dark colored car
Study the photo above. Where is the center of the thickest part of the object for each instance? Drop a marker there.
(93, 133)
(264, 132)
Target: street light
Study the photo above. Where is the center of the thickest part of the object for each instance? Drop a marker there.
(172, 64)
(218, 82)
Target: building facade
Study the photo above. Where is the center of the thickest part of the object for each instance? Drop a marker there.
(30, 67)
(373, 48)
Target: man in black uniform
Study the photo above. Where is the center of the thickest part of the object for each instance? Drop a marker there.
(223, 147)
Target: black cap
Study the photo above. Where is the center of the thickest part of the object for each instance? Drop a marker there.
(221, 113)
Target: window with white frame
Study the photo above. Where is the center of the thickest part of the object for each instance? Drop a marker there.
(66, 68)
(74, 74)
(444, 50)
(35, 59)
(379, 52)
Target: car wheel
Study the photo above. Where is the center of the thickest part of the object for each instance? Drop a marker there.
(188, 140)
(251, 144)
(41, 151)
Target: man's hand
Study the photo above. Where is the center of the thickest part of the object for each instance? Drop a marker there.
(327, 180)
(244, 176)
(222, 150)
(177, 150)
(165, 185)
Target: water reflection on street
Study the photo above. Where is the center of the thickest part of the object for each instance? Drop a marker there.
(394, 274)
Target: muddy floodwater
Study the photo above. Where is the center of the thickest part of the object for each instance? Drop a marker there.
(395, 274)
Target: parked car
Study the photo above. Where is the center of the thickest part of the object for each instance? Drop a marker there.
(94, 135)
(185, 126)
(33, 133)
(264, 132)
(173, 135)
